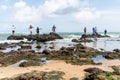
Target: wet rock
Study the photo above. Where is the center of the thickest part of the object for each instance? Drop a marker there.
(74, 78)
(75, 40)
(39, 38)
(2, 48)
(26, 47)
(84, 36)
(70, 48)
(108, 57)
(116, 50)
(62, 48)
(32, 51)
(46, 52)
(15, 37)
(52, 47)
(92, 70)
(38, 47)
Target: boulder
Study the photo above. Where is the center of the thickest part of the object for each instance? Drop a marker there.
(39, 38)
(26, 47)
(15, 37)
(38, 47)
(46, 52)
(92, 70)
(62, 48)
(116, 69)
(116, 50)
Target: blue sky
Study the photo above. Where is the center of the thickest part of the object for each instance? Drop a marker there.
(67, 15)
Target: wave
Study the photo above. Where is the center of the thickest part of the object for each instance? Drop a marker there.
(12, 41)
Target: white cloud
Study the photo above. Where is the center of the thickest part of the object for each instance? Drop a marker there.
(25, 13)
(51, 7)
(87, 15)
(3, 7)
(20, 4)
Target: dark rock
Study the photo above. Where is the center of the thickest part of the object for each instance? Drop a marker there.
(38, 47)
(46, 52)
(40, 38)
(26, 47)
(52, 47)
(75, 40)
(2, 48)
(70, 48)
(116, 50)
(108, 57)
(74, 78)
(62, 48)
(84, 36)
(15, 37)
(92, 70)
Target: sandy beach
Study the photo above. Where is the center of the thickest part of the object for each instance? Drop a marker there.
(59, 65)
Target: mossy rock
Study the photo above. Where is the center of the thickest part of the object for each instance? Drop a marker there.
(36, 75)
(29, 63)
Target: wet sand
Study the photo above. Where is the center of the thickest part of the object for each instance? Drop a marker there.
(58, 65)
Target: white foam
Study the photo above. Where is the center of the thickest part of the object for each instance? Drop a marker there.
(12, 41)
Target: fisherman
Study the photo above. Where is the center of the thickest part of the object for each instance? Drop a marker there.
(37, 30)
(85, 30)
(13, 30)
(105, 32)
(30, 28)
(53, 29)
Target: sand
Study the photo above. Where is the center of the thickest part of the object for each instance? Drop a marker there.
(58, 65)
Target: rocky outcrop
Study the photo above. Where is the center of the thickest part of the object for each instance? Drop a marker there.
(84, 36)
(93, 70)
(116, 69)
(40, 38)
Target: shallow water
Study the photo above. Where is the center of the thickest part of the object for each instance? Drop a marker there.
(107, 44)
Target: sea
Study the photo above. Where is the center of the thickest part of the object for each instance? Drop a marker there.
(107, 44)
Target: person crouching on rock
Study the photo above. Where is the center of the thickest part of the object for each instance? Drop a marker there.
(13, 30)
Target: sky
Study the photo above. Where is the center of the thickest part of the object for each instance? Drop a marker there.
(67, 15)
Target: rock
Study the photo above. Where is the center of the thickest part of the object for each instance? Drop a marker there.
(108, 57)
(15, 38)
(101, 77)
(40, 38)
(46, 52)
(74, 78)
(62, 48)
(2, 48)
(70, 48)
(92, 70)
(116, 69)
(26, 47)
(84, 36)
(116, 50)
(52, 47)
(38, 47)
(75, 40)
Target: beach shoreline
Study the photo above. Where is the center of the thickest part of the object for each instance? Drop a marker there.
(57, 65)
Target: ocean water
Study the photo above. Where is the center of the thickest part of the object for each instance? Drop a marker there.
(108, 44)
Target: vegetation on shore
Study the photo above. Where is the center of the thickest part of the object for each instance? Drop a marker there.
(37, 75)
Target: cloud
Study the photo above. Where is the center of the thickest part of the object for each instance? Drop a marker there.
(87, 15)
(4, 7)
(20, 4)
(25, 13)
(58, 7)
